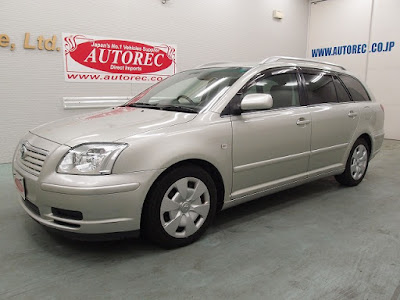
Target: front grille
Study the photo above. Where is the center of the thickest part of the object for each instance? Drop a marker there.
(32, 207)
(31, 158)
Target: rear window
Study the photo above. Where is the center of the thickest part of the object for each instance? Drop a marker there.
(356, 89)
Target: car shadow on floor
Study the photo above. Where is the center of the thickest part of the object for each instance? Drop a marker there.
(266, 205)
(61, 246)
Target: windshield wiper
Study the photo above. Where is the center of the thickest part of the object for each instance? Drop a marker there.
(144, 105)
(179, 108)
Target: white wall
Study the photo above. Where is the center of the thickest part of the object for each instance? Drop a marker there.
(348, 22)
(384, 68)
(32, 81)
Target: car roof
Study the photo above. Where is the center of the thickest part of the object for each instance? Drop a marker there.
(279, 61)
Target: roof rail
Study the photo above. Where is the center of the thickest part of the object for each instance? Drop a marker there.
(287, 58)
(213, 64)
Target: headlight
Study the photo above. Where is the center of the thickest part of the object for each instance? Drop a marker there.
(91, 159)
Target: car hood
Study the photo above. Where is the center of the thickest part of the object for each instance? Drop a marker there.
(109, 125)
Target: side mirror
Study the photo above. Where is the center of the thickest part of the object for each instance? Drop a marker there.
(256, 101)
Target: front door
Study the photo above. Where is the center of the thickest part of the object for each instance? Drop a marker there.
(271, 147)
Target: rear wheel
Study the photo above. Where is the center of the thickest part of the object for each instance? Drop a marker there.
(357, 164)
(180, 207)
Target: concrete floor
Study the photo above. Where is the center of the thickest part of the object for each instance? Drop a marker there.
(316, 241)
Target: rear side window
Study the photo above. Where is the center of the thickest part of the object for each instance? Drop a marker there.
(341, 92)
(320, 88)
(356, 89)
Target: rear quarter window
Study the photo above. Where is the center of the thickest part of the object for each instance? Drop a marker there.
(355, 88)
(341, 92)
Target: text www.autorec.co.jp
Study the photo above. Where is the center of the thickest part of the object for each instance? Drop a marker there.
(353, 49)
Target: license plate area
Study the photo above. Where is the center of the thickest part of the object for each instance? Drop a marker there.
(20, 184)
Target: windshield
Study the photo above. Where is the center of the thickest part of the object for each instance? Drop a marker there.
(188, 91)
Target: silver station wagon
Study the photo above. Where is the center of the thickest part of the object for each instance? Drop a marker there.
(200, 141)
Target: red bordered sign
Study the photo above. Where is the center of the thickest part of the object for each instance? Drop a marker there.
(92, 59)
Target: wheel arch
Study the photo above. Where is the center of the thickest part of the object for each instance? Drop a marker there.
(368, 139)
(207, 166)
(212, 170)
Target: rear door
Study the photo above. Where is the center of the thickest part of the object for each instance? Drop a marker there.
(334, 120)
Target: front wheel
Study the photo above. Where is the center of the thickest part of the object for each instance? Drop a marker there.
(357, 164)
(180, 207)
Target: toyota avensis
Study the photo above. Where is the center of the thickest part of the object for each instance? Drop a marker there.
(200, 141)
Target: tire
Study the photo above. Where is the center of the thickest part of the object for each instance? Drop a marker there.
(356, 165)
(171, 216)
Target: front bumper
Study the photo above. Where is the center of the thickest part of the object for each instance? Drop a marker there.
(84, 204)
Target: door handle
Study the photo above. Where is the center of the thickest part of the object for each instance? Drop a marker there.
(352, 114)
(302, 121)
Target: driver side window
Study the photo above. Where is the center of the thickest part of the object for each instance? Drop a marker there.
(283, 88)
